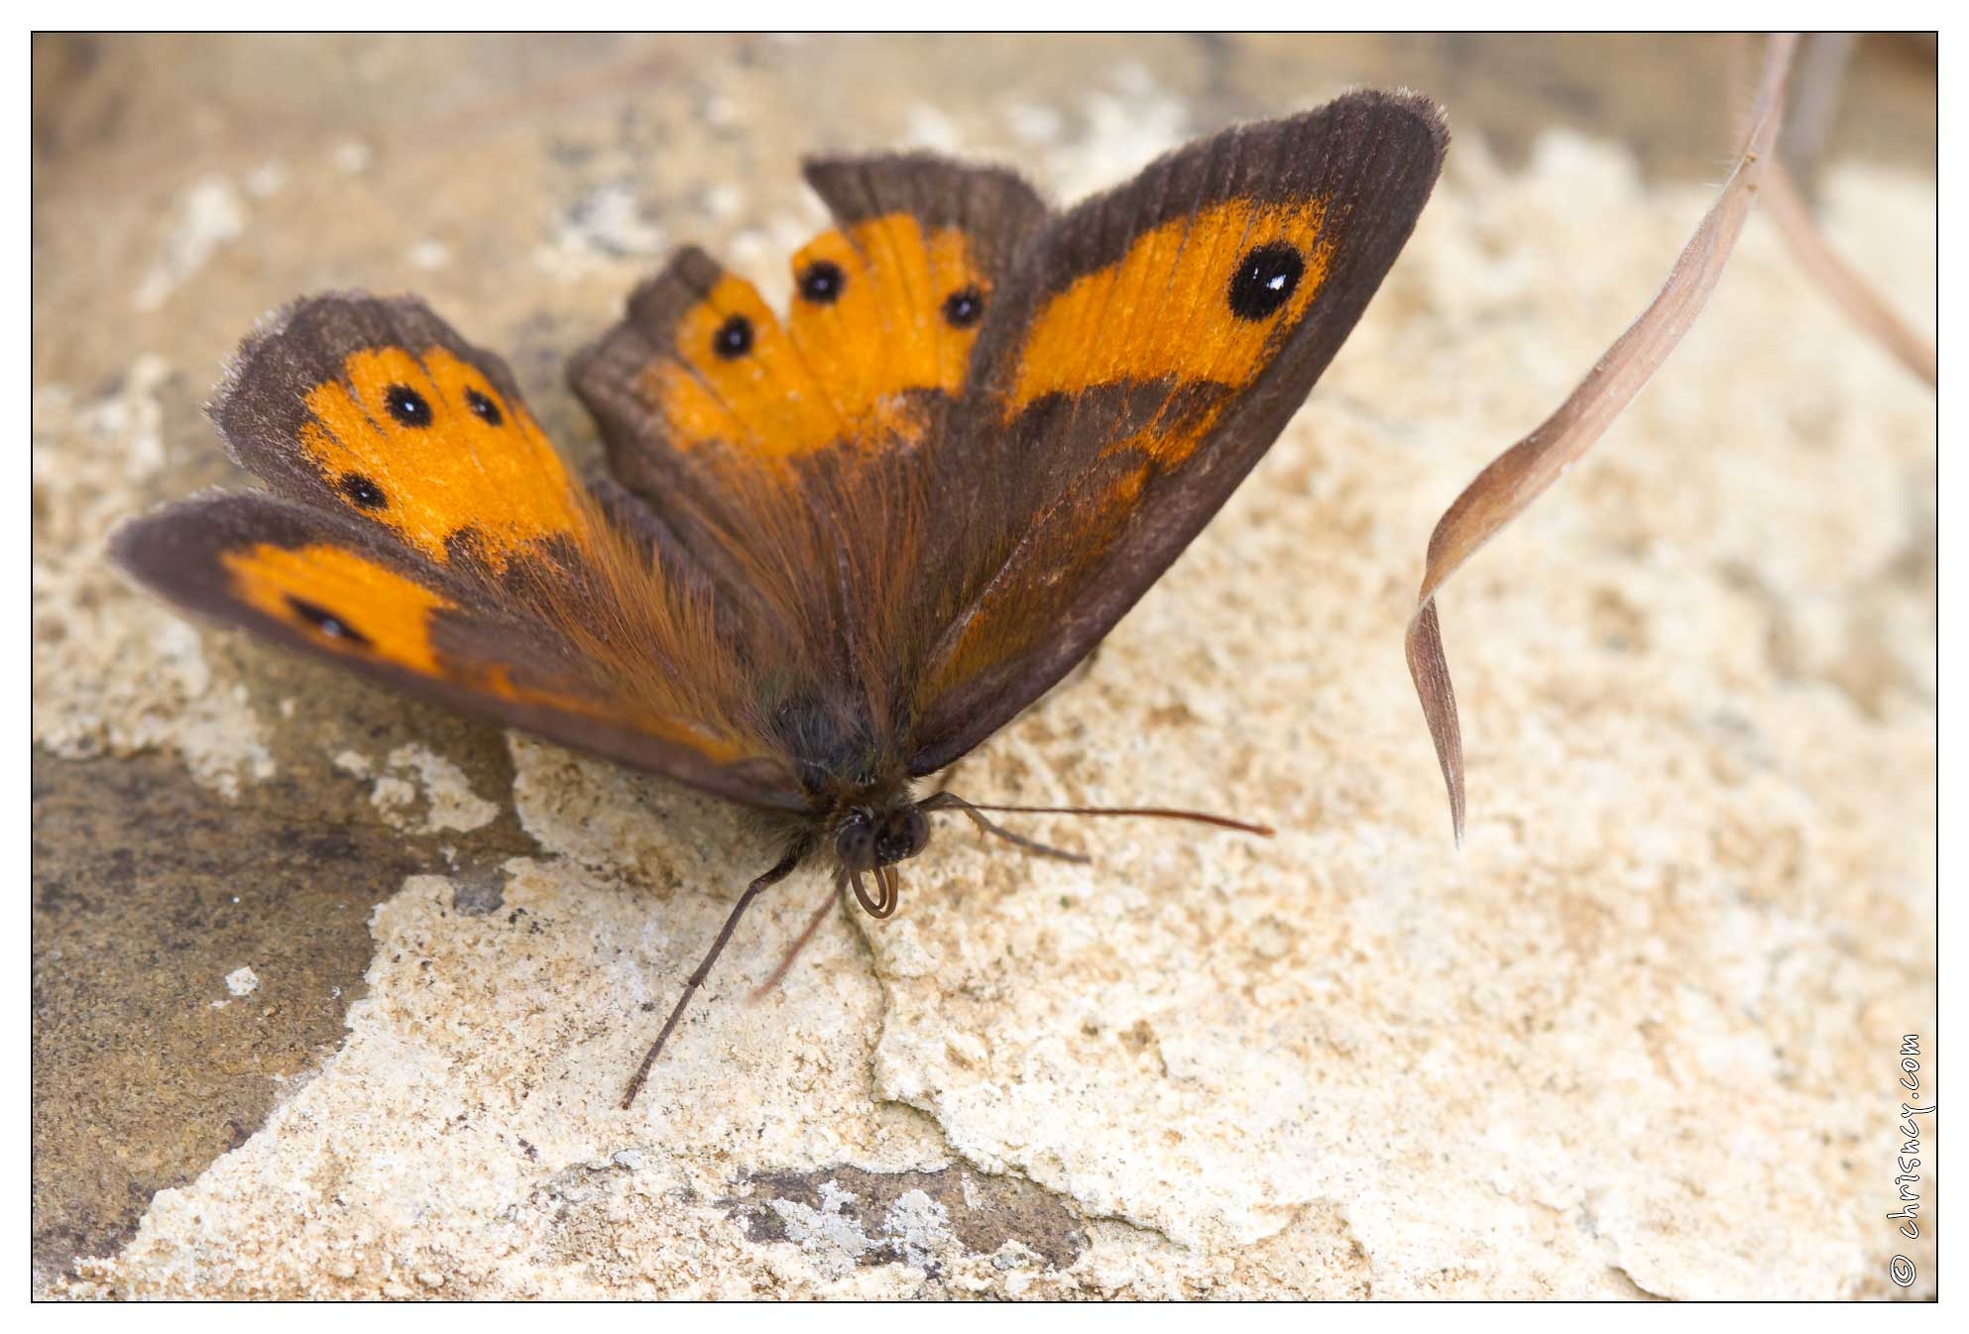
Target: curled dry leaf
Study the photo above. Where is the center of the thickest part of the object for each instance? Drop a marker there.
(1519, 475)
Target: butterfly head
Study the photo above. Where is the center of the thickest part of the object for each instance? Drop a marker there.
(866, 838)
(869, 840)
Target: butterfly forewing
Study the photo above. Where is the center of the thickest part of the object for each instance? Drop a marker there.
(1147, 354)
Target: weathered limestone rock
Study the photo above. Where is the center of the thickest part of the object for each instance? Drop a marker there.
(1639, 1036)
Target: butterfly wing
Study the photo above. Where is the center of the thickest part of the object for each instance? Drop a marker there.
(802, 461)
(887, 307)
(1148, 351)
(421, 530)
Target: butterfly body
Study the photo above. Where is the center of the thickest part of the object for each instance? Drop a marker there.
(837, 549)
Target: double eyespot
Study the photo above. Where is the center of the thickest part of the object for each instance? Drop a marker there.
(1265, 280)
(409, 408)
(822, 283)
(412, 409)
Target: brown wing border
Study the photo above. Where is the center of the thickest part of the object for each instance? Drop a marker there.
(260, 405)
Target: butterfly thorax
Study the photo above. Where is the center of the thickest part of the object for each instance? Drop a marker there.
(854, 778)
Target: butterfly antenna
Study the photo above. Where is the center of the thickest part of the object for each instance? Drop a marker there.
(1147, 813)
(950, 801)
(752, 891)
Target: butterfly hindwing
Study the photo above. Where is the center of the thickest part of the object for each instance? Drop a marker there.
(885, 306)
(311, 580)
(889, 305)
(709, 403)
(422, 531)
(1151, 350)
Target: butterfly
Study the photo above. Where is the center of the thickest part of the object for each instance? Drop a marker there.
(834, 551)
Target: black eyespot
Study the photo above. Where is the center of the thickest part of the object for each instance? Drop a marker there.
(733, 339)
(483, 408)
(963, 309)
(822, 281)
(407, 406)
(1265, 280)
(327, 622)
(365, 493)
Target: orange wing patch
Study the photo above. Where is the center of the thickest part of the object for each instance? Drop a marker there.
(340, 601)
(880, 309)
(423, 444)
(886, 307)
(1243, 272)
(734, 375)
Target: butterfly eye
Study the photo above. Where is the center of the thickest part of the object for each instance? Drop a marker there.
(327, 622)
(483, 408)
(907, 833)
(733, 339)
(854, 842)
(1265, 280)
(407, 406)
(963, 309)
(364, 493)
(822, 281)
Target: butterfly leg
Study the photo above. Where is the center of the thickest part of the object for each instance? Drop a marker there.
(752, 891)
(813, 926)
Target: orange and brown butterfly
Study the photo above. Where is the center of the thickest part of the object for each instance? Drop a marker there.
(837, 550)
